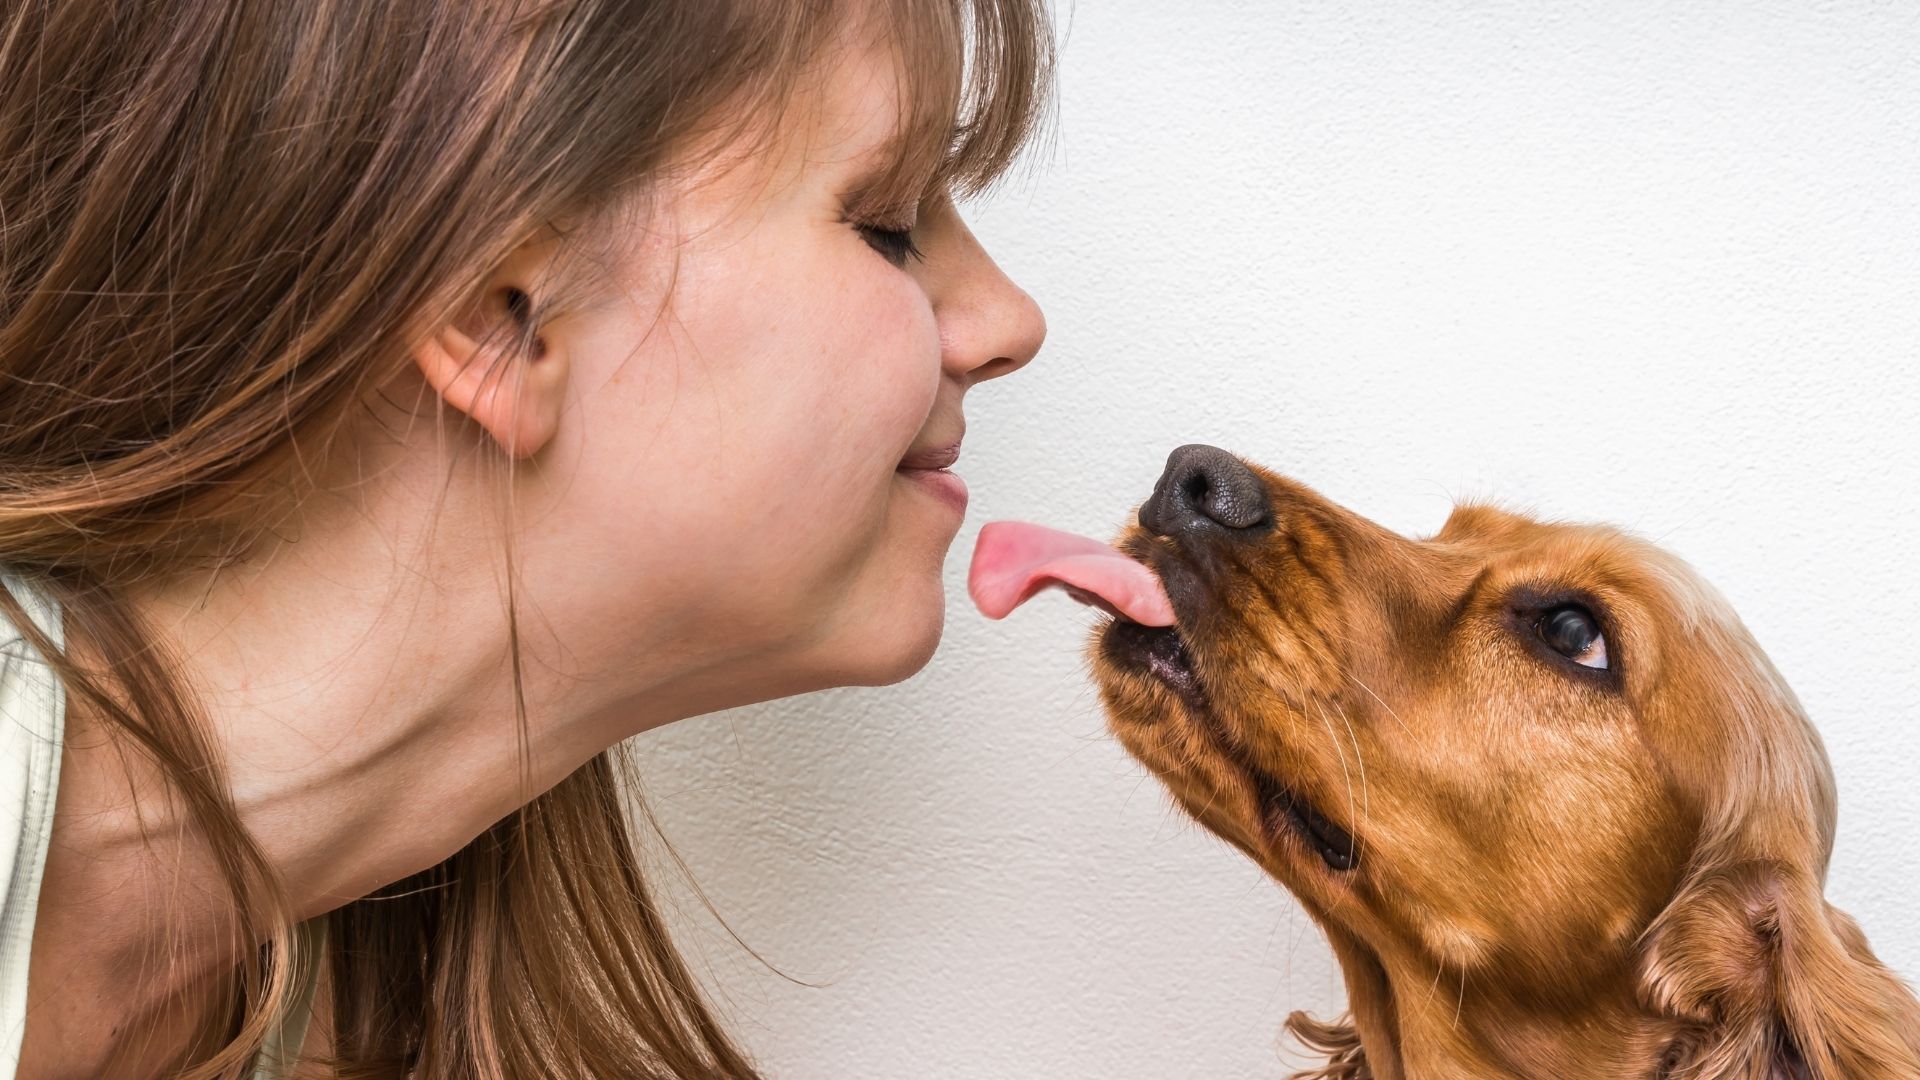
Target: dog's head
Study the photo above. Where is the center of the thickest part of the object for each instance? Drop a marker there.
(1548, 798)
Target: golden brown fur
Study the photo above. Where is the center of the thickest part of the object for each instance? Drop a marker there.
(1556, 874)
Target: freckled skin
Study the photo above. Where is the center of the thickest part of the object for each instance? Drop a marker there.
(1519, 822)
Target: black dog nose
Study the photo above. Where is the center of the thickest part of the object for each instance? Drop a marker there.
(1206, 485)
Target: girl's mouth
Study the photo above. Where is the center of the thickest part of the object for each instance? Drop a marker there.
(928, 470)
(935, 458)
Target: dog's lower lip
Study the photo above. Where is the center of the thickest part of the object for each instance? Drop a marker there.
(1159, 652)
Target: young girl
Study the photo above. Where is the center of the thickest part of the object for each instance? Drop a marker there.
(400, 405)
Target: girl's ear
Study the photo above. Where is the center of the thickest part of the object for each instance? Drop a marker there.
(1770, 982)
(493, 366)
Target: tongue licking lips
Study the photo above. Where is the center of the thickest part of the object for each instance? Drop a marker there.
(1014, 560)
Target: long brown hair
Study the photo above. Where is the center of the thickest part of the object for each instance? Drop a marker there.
(220, 224)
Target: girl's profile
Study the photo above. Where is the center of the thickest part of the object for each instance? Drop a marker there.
(402, 404)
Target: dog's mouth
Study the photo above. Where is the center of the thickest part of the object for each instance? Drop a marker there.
(1160, 653)
(1013, 561)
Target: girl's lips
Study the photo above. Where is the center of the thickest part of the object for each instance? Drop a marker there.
(943, 485)
(941, 457)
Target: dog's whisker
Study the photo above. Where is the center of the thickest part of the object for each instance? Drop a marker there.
(1434, 989)
(1213, 792)
(1360, 760)
(1459, 1003)
(1341, 750)
(1347, 673)
(1366, 791)
(1383, 703)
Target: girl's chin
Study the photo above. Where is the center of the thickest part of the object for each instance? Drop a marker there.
(887, 639)
(883, 624)
(900, 647)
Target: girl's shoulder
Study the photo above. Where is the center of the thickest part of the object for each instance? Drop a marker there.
(32, 722)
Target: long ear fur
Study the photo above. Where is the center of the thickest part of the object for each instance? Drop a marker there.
(1770, 982)
(1346, 1060)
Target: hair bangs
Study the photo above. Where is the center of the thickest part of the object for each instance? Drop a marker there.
(975, 83)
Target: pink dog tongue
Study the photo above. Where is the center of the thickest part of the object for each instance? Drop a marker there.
(1015, 560)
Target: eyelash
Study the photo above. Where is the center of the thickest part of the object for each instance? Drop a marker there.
(894, 245)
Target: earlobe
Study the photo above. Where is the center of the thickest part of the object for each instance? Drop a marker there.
(512, 386)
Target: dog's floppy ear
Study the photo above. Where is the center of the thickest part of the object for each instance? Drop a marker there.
(1769, 982)
(1339, 1041)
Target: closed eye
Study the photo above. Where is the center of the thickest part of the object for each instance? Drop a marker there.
(894, 245)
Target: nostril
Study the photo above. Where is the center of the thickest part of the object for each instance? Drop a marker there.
(1205, 486)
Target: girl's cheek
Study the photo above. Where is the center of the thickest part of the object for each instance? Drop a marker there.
(891, 393)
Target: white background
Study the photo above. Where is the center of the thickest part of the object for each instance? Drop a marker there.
(1645, 262)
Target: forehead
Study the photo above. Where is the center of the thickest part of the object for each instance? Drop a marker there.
(1604, 561)
(841, 112)
(850, 105)
(940, 99)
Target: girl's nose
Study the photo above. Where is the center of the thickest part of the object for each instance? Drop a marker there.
(989, 326)
(998, 338)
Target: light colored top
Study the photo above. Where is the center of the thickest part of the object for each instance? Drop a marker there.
(33, 713)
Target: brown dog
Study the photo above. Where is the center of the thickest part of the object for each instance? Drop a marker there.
(1557, 813)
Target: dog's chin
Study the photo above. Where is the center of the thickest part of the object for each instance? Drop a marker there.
(1161, 710)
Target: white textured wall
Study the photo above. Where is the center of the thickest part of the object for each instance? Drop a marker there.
(1648, 262)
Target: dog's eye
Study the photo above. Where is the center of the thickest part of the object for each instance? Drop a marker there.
(1573, 632)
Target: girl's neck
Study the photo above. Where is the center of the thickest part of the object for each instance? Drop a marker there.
(357, 684)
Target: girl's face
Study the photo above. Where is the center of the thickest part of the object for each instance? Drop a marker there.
(743, 485)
